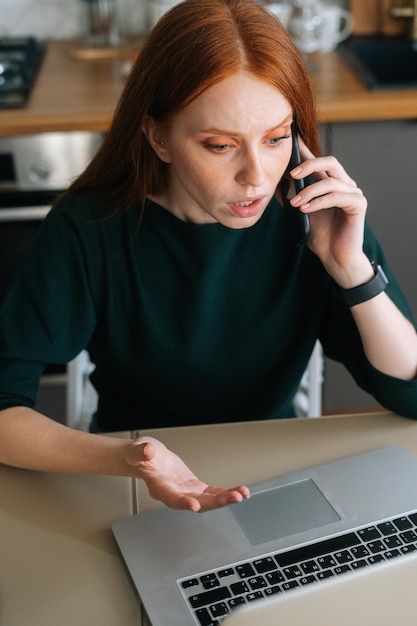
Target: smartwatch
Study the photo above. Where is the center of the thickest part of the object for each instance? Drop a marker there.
(366, 291)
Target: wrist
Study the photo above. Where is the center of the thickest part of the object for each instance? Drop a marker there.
(367, 290)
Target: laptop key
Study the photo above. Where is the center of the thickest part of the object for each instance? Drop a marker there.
(309, 567)
(326, 561)
(258, 582)
(318, 549)
(369, 534)
(275, 577)
(234, 602)
(402, 523)
(239, 588)
(376, 558)
(192, 582)
(255, 595)
(359, 552)
(408, 536)
(290, 584)
(343, 557)
(413, 518)
(307, 580)
(292, 572)
(393, 542)
(219, 610)
(391, 554)
(209, 597)
(209, 581)
(387, 528)
(205, 618)
(376, 546)
(264, 565)
(270, 591)
(245, 570)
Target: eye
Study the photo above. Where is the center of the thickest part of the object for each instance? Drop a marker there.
(275, 141)
(216, 147)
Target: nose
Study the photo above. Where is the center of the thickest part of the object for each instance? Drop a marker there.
(250, 170)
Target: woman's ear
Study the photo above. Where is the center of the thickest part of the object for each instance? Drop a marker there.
(155, 134)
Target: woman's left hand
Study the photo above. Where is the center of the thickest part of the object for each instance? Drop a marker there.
(336, 208)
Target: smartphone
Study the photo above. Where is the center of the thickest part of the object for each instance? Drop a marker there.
(300, 184)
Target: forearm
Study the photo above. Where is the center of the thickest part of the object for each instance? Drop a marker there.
(32, 441)
(388, 338)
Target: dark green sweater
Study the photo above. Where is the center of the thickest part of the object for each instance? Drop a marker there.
(186, 323)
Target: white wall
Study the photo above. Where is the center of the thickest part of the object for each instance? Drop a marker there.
(64, 19)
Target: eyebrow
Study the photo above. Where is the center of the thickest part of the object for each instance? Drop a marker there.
(223, 131)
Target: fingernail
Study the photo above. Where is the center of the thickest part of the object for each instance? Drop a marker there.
(296, 171)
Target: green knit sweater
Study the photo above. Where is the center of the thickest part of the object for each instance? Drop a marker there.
(185, 323)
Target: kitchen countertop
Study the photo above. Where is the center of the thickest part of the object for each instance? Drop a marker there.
(78, 92)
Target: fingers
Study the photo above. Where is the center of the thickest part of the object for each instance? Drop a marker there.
(215, 498)
(330, 193)
(322, 167)
(211, 498)
(333, 188)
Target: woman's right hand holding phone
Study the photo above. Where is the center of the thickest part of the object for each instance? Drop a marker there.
(336, 209)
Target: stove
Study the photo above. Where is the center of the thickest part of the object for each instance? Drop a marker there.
(20, 61)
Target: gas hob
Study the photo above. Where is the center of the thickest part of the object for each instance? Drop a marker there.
(20, 61)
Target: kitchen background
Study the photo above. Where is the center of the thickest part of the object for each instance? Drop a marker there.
(67, 19)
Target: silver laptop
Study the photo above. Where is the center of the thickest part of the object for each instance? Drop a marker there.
(383, 596)
(296, 534)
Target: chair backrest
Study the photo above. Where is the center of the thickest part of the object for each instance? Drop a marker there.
(81, 400)
(308, 400)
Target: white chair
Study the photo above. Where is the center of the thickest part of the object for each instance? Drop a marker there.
(308, 400)
(81, 397)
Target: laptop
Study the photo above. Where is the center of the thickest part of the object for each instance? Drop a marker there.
(298, 535)
(384, 598)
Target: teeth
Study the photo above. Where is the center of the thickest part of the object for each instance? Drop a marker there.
(244, 203)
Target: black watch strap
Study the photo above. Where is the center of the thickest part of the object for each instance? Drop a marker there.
(362, 293)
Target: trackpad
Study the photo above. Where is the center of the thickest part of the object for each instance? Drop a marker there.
(283, 511)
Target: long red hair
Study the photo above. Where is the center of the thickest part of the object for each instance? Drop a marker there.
(194, 45)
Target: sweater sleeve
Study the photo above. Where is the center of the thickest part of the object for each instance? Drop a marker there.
(341, 342)
(47, 315)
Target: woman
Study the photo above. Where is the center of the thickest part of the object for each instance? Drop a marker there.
(174, 260)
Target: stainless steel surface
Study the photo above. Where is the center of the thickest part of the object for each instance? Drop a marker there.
(22, 214)
(47, 160)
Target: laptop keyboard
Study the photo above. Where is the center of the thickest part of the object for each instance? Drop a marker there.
(212, 595)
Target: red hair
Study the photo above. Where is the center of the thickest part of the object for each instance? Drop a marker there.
(194, 45)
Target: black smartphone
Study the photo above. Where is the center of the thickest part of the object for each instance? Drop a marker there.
(300, 184)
